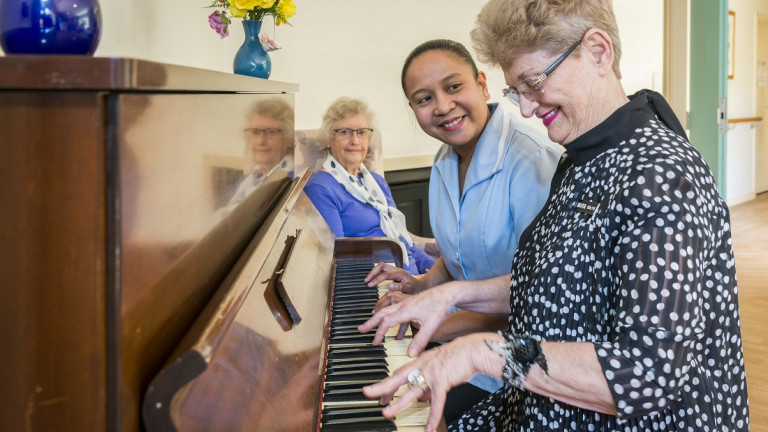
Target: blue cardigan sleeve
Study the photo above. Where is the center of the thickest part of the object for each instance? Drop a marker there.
(325, 201)
(423, 261)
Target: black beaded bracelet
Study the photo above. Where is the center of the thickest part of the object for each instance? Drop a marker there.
(520, 354)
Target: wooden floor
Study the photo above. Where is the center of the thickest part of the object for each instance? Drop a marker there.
(749, 225)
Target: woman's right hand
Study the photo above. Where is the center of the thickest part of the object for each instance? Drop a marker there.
(442, 368)
(400, 279)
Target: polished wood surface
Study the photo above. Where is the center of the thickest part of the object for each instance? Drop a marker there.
(749, 223)
(52, 267)
(111, 242)
(246, 364)
(114, 73)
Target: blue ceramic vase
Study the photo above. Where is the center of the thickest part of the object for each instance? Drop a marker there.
(251, 59)
(50, 26)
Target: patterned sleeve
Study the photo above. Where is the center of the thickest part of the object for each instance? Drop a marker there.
(666, 211)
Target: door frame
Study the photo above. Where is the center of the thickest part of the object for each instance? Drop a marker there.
(709, 84)
(761, 137)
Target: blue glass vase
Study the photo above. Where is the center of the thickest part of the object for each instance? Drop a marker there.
(50, 26)
(251, 59)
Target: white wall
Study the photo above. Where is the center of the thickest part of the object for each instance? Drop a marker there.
(740, 184)
(350, 48)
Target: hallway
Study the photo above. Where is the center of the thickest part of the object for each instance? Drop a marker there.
(749, 223)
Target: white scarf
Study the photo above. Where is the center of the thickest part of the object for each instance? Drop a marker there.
(367, 191)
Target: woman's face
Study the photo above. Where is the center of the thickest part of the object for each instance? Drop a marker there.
(267, 141)
(448, 100)
(567, 105)
(350, 152)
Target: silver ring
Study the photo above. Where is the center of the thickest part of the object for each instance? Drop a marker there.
(416, 379)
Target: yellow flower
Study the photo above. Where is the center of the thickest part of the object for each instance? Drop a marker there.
(235, 11)
(285, 10)
(266, 4)
(245, 5)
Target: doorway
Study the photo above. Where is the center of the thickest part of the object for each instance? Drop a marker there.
(761, 106)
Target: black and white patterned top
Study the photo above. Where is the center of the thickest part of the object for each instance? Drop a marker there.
(633, 253)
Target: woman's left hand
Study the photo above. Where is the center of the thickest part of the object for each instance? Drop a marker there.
(392, 298)
(442, 368)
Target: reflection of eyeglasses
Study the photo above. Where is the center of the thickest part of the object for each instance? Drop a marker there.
(531, 86)
(269, 132)
(346, 133)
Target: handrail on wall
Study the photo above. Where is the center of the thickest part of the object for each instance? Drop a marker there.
(751, 120)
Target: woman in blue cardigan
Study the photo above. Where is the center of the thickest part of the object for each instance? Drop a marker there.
(354, 201)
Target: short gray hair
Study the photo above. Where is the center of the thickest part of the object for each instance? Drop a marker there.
(340, 109)
(506, 29)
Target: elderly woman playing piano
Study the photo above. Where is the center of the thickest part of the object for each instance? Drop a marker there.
(623, 307)
(354, 201)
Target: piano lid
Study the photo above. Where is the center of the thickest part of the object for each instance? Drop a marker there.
(51, 72)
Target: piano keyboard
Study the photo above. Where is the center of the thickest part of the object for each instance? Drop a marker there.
(354, 362)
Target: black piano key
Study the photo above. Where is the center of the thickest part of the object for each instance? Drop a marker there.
(352, 339)
(353, 322)
(351, 351)
(355, 265)
(347, 385)
(341, 362)
(347, 412)
(367, 366)
(366, 314)
(362, 304)
(350, 280)
(358, 306)
(356, 309)
(353, 319)
(357, 295)
(359, 425)
(352, 395)
(344, 327)
(355, 360)
(366, 374)
(352, 316)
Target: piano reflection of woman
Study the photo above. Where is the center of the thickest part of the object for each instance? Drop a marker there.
(354, 201)
(268, 145)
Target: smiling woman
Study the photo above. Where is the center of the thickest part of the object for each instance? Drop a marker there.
(618, 317)
(354, 201)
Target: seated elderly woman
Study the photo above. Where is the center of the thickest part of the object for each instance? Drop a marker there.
(268, 145)
(622, 307)
(354, 201)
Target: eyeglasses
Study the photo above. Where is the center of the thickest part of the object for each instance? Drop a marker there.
(531, 86)
(346, 133)
(269, 132)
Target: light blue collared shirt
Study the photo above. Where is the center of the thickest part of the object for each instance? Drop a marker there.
(507, 183)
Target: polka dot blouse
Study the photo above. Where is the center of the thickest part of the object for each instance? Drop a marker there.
(632, 253)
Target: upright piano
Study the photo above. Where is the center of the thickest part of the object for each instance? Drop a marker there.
(128, 300)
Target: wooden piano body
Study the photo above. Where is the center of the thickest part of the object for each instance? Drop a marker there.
(117, 263)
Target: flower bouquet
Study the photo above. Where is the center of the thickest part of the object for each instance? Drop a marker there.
(254, 10)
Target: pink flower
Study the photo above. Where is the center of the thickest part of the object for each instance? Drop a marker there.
(267, 43)
(219, 22)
